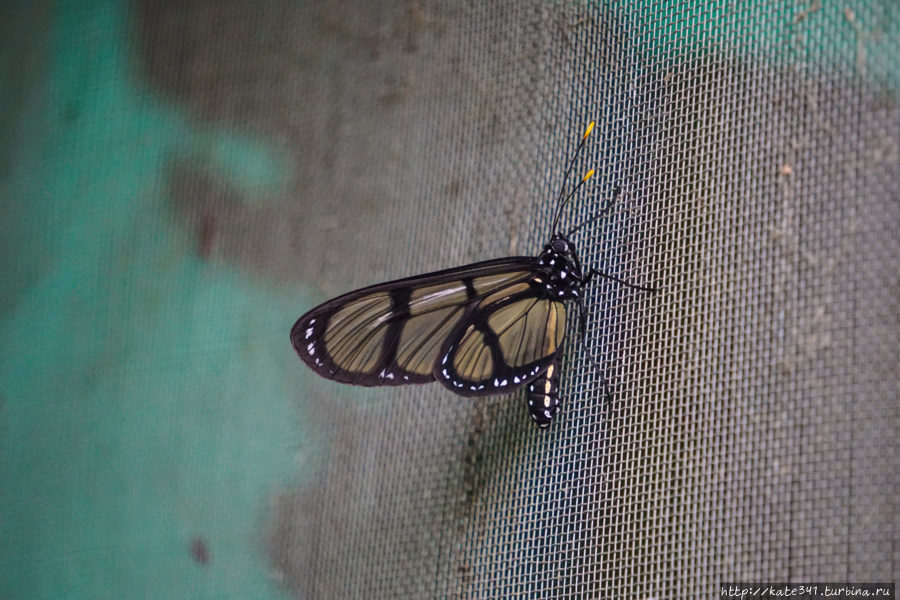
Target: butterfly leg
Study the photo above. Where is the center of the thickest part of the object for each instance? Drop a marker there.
(593, 272)
(582, 323)
(582, 314)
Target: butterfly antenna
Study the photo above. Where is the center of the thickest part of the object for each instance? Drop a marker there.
(599, 215)
(560, 202)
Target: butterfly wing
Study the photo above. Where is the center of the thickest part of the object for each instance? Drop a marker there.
(507, 341)
(393, 333)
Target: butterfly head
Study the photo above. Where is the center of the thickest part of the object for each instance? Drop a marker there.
(561, 264)
(560, 245)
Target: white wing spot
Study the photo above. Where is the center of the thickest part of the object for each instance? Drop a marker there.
(311, 348)
(503, 382)
(311, 321)
(546, 401)
(390, 375)
(516, 379)
(309, 333)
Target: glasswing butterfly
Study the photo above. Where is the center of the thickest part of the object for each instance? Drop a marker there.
(487, 328)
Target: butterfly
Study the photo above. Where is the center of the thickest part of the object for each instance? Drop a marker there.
(491, 327)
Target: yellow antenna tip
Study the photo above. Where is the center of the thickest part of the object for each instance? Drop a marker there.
(589, 130)
(587, 176)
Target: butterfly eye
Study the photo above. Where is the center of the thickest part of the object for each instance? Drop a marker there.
(560, 245)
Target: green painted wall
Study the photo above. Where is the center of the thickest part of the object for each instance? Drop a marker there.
(148, 398)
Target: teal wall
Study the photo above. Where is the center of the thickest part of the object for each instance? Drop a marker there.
(148, 398)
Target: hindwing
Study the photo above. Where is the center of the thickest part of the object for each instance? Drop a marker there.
(393, 333)
(503, 344)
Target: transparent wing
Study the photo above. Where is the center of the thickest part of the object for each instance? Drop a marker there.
(503, 344)
(393, 333)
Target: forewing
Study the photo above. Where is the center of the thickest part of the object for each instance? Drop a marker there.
(393, 333)
(502, 345)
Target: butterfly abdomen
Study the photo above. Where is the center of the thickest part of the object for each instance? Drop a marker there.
(543, 396)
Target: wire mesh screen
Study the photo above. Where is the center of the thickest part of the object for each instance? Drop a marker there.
(742, 423)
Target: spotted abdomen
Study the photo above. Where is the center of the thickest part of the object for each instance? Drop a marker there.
(543, 396)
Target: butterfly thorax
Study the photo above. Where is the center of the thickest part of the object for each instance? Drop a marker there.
(562, 268)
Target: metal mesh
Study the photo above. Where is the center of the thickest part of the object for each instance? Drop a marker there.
(748, 432)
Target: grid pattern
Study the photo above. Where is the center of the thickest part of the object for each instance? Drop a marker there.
(746, 427)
